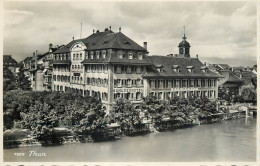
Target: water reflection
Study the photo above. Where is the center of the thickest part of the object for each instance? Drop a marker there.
(227, 141)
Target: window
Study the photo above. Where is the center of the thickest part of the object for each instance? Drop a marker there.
(140, 55)
(80, 55)
(190, 69)
(118, 83)
(91, 54)
(118, 69)
(72, 66)
(73, 56)
(129, 83)
(86, 55)
(97, 54)
(138, 70)
(176, 68)
(138, 83)
(130, 55)
(81, 66)
(104, 54)
(77, 57)
(204, 69)
(128, 71)
(120, 54)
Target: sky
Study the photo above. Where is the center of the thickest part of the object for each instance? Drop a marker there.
(219, 32)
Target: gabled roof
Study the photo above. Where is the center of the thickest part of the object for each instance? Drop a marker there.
(8, 59)
(230, 77)
(224, 66)
(169, 62)
(104, 40)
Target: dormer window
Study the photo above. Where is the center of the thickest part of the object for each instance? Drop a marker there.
(140, 55)
(176, 68)
(204, 69)
(130, 55)
(92, 55)
(104, 54)
(120, 54)
(190, 69)
(97, 54)
(159, 68)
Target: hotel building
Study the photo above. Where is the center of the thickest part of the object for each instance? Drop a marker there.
(111, 66)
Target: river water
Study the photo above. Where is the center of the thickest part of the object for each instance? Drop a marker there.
(233, 140)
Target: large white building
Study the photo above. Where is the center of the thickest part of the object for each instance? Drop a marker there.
(111, 66)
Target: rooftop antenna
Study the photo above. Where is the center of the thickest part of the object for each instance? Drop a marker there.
(80, 29)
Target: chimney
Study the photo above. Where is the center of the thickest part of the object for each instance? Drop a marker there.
(145, 45)
(197, 56)
(50, 46)
(36, 59)
(73, 38)
(31, 60)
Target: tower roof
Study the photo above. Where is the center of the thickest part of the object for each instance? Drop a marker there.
(184, 43)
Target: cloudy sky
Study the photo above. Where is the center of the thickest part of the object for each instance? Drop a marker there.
(219, 32)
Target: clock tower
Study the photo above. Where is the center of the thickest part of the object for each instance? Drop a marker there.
(184, 47)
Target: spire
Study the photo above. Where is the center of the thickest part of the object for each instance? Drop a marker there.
(184, 37)
(184, 30)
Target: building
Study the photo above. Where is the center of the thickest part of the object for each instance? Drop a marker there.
(10, 63)
(40, 69)
(230, 82)
(112, 66)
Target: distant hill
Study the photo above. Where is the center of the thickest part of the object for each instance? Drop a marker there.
(229, 61)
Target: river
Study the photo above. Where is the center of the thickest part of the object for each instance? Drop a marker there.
(233, 140)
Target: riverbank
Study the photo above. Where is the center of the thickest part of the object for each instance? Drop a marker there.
(227, 141)
(25, 138)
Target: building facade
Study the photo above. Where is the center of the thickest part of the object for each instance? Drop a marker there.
(111, 66)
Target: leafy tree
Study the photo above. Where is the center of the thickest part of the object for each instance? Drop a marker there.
(22, 81)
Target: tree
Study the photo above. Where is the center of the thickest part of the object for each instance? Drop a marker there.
(22, 81)
(8, 79)
(249, 95)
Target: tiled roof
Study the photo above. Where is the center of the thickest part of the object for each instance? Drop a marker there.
(105, 40)
(224, 66)
(114, 59)
(169, 62)
(230, 77)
